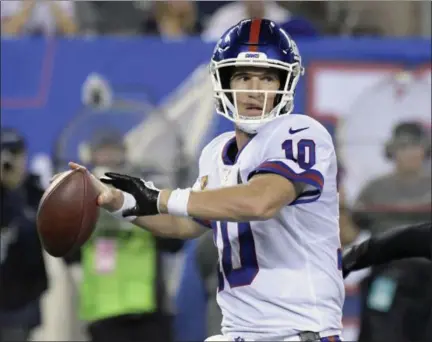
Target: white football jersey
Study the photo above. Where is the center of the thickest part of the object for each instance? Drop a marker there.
(281, 276)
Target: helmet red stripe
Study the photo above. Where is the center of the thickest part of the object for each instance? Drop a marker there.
(254, 34)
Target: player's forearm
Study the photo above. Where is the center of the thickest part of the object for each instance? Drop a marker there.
(236, 203)
(159, 225)
(406, 242)
(169, 226)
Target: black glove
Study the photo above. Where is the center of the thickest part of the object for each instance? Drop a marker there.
(347, 261)
(353, 256)
(145, 193)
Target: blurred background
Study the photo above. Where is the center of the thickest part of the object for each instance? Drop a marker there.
(124, 85)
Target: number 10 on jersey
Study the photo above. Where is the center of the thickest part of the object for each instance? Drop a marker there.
(248, 269)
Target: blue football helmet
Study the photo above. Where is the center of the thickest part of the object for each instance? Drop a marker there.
(255, 43)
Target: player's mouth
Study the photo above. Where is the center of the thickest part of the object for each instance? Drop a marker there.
(253, 110)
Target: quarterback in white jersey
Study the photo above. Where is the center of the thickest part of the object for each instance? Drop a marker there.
(267, 190)
(280, 275)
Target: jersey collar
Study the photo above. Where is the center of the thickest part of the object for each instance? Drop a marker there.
(230, 145)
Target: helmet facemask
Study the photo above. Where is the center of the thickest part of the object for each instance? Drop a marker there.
(226, 98)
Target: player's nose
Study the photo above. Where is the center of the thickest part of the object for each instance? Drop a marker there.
(254, 83)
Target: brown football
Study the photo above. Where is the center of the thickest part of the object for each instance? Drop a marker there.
(67, 213)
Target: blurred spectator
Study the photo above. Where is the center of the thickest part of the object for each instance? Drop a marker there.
(232, 13)
(207, 8)
(38, 17)
(112, 17)
(22, 268)
(401, 18)
(404, 195)
(122, 292)
(173, 19)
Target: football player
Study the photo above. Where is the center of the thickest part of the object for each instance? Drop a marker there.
(267, 190)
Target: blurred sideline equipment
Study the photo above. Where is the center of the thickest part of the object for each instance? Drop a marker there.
(97, 92)
(67, 213)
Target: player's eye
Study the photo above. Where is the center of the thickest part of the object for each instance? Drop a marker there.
(268, 78)
(242, 77)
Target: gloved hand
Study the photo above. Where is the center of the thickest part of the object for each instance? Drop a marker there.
(351, 257)
(347, 261)
(145, 193)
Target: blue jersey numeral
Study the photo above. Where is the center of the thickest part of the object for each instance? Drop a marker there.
(306, 155)
(246, 273)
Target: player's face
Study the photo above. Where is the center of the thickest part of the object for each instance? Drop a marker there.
(252, 103)
(410, 157)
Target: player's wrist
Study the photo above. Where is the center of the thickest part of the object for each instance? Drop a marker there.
(174, 202)
(128, 201)
(162, 202)
(111, 201)
(119, 199)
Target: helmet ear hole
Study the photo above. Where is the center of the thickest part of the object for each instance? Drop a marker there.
(225, 74)
(283, 74)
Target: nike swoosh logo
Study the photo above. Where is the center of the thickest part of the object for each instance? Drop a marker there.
(294, 131)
